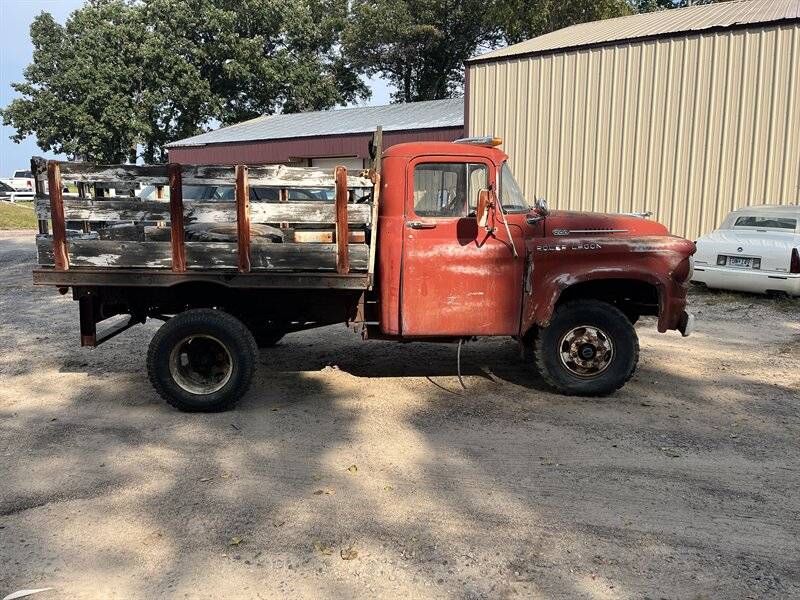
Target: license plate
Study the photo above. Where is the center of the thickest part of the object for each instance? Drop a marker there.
(739, 261)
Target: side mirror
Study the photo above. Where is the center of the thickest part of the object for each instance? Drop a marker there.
(485, 204)
(541, 207)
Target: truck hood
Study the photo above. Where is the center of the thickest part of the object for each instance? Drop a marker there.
(583, 224)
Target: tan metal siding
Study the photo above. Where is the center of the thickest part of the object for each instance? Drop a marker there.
(692, 19)
(688, 127)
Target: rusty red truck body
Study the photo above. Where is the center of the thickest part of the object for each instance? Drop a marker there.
(442, 247)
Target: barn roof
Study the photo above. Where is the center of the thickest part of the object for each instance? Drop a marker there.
(432, 114)
(721, 15)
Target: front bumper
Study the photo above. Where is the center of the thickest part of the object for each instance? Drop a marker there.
(759, 282)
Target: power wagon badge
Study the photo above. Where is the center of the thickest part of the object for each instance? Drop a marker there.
(571, 246)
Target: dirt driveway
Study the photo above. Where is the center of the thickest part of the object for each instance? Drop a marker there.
(362, 469)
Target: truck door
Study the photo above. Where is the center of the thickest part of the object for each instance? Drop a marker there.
(456, 279)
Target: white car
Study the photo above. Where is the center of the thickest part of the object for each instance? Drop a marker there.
(9, 194)
(757, 249)
(21, 181)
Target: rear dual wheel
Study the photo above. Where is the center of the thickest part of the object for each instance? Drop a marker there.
(202, 360)
(590, 348)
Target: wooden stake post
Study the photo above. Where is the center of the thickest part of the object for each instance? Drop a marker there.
(60, 257)
(342, 227)
(176, 218)
(243, 218)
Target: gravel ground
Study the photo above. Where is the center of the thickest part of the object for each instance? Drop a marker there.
(362, 469)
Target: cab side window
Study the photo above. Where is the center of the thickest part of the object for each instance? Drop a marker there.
(447, 189)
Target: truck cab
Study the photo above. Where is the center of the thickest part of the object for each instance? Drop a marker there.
(454, 265)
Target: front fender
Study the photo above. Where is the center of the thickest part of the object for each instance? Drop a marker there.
(555, 264)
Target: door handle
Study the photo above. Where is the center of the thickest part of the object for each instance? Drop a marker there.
(420, 225)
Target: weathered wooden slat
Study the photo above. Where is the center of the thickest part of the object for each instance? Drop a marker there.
(243, 218)
(60, 257)
(76, 209)
(326, 236)
(342, 231)
(277, 176)
(264, 256)
(89, 172)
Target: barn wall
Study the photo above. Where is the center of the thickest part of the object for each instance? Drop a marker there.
(292, 149)
(688, 127)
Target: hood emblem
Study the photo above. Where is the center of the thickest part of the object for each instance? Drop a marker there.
(739, 249)
(569, 231)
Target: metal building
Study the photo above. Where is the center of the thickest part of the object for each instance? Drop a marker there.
(323, 138)
(686, 113)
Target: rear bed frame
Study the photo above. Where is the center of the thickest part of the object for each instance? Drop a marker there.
(338, 260)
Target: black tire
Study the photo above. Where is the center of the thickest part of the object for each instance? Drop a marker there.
(609, 339)
(223, 361)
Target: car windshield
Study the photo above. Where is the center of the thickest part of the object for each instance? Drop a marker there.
(763, 222)
(510, 195)
(26, 174)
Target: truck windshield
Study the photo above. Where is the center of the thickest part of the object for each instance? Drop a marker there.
(510, 195)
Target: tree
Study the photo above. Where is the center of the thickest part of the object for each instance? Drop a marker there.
(644, 6)
(418, 46)
(125, 77)
(524, 19)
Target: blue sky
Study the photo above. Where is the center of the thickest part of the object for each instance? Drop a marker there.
(16, 52)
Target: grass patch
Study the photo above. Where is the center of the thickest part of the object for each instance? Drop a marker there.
(18, 215)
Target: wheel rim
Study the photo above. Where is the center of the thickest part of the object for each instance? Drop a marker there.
(586, 351)
(200, 364)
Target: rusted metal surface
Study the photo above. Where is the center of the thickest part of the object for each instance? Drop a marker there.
(144, 278)
(342, 232)
(88, 319)
(243, 218)
(57, 216)
(176, 218)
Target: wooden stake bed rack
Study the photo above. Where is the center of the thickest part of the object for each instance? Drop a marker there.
(320, 244)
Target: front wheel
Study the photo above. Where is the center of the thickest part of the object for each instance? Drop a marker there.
(202, 360)
(589, 348)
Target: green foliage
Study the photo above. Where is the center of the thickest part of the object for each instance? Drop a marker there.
(644, 6)
(524, 19)
(123, 75)
(419, 46)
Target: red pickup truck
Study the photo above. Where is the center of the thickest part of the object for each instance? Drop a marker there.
(436, 243)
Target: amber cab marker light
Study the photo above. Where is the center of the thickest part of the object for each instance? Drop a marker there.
(488, 141)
